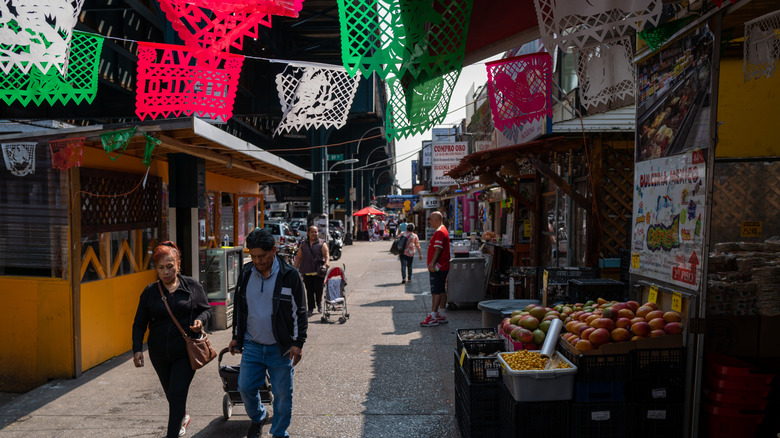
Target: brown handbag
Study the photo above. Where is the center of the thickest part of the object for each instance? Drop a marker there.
(199, 350)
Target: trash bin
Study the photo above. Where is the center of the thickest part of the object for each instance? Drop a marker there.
(494, 311)
(466, 280)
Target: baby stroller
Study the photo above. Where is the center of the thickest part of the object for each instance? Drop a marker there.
(335, 301)
(229, 376)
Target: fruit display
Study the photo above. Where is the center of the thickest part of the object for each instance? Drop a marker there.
(593, 323)
(472, 335)
(525, 360)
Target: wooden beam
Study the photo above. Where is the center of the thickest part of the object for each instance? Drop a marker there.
(515, 194)
(578, 199)
(178, 146)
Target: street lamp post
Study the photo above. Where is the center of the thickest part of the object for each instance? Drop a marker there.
(327, 181)
(349, 197)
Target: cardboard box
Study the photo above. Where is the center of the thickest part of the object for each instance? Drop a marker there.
(732, 335)
(769, 337)
(669, 341)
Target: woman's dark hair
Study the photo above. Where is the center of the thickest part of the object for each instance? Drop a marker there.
(260, 238)
(409, 227)
(166, 248)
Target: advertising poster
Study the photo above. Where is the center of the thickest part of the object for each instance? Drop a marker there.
(446, 156)
(427, 156)
(668, 219)
(673, 90)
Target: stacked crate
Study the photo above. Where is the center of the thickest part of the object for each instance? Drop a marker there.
(599, 408)
(477, 385)
(558, 281)
(656, 392)
(735, 397)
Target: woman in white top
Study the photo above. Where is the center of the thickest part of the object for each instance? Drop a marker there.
(407, 256)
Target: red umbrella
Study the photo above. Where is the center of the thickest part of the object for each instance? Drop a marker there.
(366, 211)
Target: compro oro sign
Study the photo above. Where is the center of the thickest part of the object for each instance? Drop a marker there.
(446, 156)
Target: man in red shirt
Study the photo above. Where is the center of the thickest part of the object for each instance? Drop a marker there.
(438, 268)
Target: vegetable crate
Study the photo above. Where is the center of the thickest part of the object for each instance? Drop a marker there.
(479, 345)
(533, 419)
(476, 406)
(479, 368)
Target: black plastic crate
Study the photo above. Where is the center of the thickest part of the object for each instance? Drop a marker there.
(650, 420)
(533, 419)
(480, 369)
(600, 392)
(584, 289)
(599, 368)
(662, 373)
(480, 345)
(476, 406)
(599, 420)
(558, 281)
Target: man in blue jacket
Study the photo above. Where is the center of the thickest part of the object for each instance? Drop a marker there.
(269, 328)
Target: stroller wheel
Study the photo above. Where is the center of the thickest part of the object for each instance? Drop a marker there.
(227, 407)
(342, 320)
(323, 319)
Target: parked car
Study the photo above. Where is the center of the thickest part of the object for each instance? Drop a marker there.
(282, 233)
(337, 224)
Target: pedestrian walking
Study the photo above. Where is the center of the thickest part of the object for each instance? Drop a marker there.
(402, 226)
(312, 261)
(270, 330)
(380, 227)
(188, 302)
(392, 226)
(407, 256)
(438, 268)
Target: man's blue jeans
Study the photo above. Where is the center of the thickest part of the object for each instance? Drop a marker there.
(256, 359)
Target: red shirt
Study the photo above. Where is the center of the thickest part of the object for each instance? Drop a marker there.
(440, 239)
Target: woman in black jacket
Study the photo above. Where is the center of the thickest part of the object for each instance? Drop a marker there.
(167, 350)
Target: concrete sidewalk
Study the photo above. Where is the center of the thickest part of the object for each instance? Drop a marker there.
(378, 375)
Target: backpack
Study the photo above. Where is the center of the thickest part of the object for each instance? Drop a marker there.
(400, 244)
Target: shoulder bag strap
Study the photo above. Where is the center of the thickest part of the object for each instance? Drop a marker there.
(165, 301)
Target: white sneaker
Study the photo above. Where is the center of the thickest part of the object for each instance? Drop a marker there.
(184, 422)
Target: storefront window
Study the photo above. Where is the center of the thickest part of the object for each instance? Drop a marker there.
(247, 216)
(226, 219)
(34, 214)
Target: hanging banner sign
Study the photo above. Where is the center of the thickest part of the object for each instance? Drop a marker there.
(668, 219)
(427, 154)
(172, 82)
(446, 156)
(414, 173)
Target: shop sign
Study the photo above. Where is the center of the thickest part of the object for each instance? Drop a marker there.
(668, 219)
(483, 145)
(672, 89)
(751, 229)
(427, 154)
(414, 173)
(446, 156)
(430, 202)
(523, 133)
